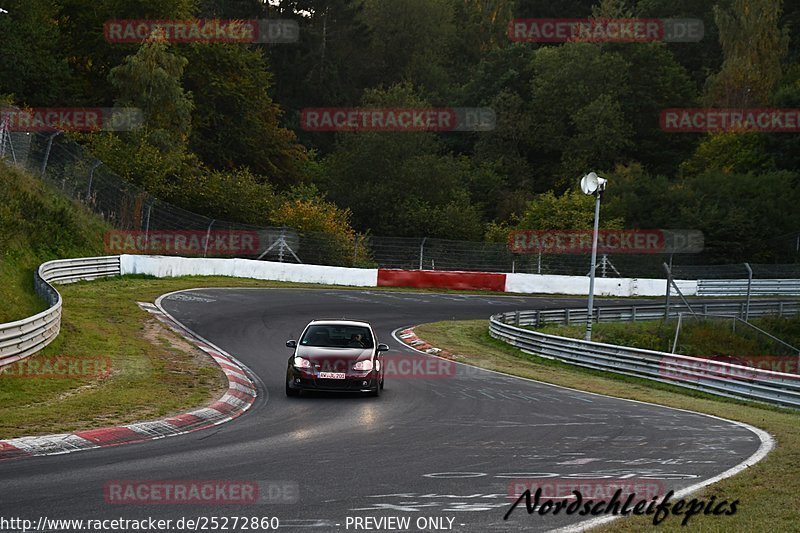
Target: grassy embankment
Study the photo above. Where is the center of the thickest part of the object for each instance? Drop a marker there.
(153, 371)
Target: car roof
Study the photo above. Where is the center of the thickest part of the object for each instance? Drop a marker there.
(340, 322)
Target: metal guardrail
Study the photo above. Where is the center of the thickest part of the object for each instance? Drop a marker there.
(630, 313)
(715, 377)
(25, 337)
(739, 287)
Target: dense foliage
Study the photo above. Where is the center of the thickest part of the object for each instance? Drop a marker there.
(222, 132)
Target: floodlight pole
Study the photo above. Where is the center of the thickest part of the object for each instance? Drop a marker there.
(590, 311)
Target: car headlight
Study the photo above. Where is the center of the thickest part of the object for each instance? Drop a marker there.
(366, 364)
(299, 362)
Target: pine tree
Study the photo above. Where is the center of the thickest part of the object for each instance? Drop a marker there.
(150, 80)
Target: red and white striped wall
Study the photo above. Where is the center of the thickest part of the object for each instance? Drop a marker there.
(164, 266)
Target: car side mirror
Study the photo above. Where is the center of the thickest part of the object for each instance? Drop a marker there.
(291, 344)
(383, 348)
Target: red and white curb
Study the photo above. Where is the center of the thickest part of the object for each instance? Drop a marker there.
(237, 399)
(409, 337)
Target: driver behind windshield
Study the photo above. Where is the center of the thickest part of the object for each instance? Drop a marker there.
(356, 341)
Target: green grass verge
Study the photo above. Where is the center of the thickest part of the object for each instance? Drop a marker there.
(154, 372)
(768, 491)
(37, 224)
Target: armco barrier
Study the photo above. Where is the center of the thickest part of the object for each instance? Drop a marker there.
(435, 279)
(632, 313)
(738, 287)
(706, 375)
(27, 336)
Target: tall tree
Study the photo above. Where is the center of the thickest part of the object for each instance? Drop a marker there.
(791, 20)
(754, 47)
(231, 9)
(571, 210)
(554, 8)
(85, 45)
(698, 58)
(150, 80)
(236, 123)
(413, 41)
(330, 66)
(32, 61)
(573, 85)
(403, 183)
(481, 26)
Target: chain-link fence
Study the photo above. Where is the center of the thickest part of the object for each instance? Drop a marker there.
(14, 146)
(72, 169)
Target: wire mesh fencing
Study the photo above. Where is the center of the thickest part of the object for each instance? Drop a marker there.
(145, 224)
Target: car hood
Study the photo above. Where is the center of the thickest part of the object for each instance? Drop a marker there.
(313, 352)
(333, 359)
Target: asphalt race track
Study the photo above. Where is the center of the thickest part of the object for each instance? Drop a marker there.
(444, 448)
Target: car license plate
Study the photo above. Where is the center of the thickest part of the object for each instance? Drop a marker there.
(331, 375)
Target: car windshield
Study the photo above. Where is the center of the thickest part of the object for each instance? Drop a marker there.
(337, 336)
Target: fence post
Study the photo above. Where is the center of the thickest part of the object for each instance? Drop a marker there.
(47, 150)
(669, 291)
(96, 164)
(147, 228)
(749, 287)
(421, 251)
(677, 332)
(208, 237)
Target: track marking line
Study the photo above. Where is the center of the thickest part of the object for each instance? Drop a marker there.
(766, 446)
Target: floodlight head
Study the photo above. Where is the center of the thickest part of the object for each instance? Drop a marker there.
(591, 183)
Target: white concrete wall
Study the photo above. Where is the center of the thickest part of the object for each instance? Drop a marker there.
(579, 285)
(166, 266)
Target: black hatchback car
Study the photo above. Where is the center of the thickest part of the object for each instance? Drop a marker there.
(338, 356)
